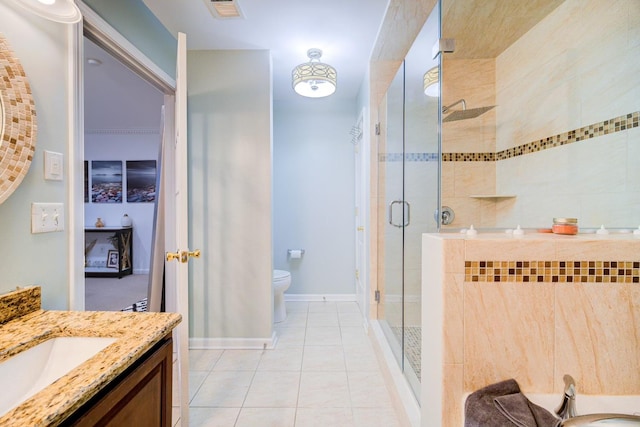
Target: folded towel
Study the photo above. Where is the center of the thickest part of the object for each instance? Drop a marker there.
(524, 413)
(543, 417)
(503, 405)
(480, 410)
(515, 408)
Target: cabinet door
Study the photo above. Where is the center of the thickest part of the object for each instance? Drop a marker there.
(140, 398)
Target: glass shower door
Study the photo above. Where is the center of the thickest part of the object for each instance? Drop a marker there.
(421, 185)
(392, 214)
(408, 194)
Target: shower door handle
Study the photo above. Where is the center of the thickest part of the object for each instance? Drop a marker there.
(406, 216)
(391, 212)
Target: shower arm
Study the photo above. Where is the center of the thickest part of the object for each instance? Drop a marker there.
(445, 110)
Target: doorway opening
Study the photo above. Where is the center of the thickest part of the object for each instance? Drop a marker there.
(122, 140)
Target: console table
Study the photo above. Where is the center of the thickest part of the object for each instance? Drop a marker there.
(108, 251)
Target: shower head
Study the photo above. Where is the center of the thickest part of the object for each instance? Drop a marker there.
(446, 108)
(471, 113)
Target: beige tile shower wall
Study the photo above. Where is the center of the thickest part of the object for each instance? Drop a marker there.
(474, 81)
(535, 332)
(576, 67)
(596, 181)
(579, 66)
(463, 179)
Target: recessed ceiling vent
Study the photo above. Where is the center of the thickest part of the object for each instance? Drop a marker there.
(224, 9)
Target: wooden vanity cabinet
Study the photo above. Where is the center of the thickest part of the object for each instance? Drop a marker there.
(140, 396)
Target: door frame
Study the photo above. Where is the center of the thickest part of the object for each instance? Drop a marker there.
(98, 30)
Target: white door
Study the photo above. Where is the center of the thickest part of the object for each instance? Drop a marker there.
(177, 225)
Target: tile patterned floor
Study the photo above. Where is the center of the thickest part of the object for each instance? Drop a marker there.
(323, 372)
(412, 346)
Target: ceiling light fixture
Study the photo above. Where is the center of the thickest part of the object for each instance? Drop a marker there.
(314, 79)
(431, 86)
(63, 11)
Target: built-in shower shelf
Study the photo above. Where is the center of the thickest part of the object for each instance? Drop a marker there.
(495, 197)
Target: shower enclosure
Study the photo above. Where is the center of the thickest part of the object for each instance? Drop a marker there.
(408, 195)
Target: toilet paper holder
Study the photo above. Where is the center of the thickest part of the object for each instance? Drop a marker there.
(295, 253)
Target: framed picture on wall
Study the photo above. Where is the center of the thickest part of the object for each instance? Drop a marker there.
(113, 259)
(106, 181)
(141, 181)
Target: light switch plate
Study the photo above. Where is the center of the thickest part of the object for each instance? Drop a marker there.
(47, 217)
(53, 164)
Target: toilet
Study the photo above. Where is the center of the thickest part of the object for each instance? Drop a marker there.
(281, 282)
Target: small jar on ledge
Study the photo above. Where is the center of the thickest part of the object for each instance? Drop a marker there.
(125, 221)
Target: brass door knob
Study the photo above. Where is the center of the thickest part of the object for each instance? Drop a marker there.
(179, 255)
(173, 255)
(183, 256)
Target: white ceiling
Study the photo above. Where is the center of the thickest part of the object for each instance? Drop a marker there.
(345, 30)
(115, 97)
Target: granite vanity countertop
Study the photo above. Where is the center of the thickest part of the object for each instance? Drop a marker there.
(136, 333)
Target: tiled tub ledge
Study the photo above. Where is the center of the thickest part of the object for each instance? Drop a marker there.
(135, 334)
(529, 308)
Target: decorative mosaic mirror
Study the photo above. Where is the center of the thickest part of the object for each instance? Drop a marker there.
(17, 122)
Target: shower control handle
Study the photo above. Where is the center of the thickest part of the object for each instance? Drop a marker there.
(407, 216)
(445, 216)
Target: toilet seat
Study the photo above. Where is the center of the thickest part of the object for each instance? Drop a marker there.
(281, 282)
(280, 276)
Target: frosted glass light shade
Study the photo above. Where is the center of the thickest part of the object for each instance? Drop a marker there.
(63, 11)
(431, 86)
(314, 79)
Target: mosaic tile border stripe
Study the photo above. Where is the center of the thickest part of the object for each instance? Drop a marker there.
(18, 144)
(553, 271)
(122, 132)
(468, 157)
(616, 124)
(408, 157)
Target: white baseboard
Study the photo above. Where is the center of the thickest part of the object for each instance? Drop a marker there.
(233, 343)
(320, 297)
(140, 271)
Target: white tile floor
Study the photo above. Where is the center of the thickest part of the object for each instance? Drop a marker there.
(323, 372)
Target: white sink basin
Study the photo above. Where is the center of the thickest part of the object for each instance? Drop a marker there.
(596, 410)
(603, 420)
(32, 370)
